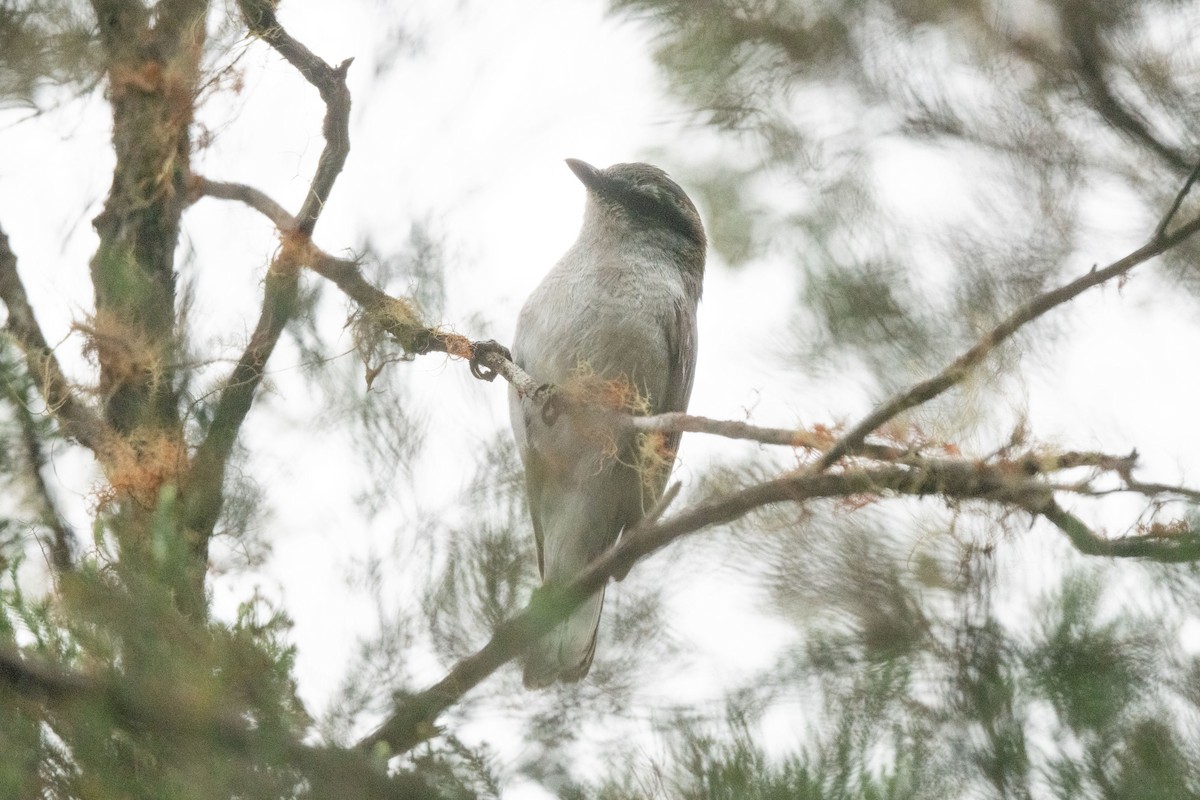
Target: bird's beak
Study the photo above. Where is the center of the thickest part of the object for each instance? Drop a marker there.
(588, 175)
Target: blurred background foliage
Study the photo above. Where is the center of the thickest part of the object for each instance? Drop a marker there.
(919, 651)
(929, 165)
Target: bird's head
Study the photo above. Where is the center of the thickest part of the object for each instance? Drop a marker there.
(644, 196)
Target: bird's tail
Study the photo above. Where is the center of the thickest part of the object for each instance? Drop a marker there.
(565, 653)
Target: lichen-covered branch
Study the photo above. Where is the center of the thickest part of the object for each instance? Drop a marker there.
(394, 316)
(205, 481)
(332, 773)
(961, 367)
(1007, 483)
(152, 68)
(1167, 547)
(818, 439)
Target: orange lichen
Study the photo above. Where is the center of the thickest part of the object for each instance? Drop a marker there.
(398, 319)
(123, 353)
(654, 460)
(458, 345)
(819, 438)
(146, 77)
(137, 466)
(1165, 530)
(295, 250)
(585, 387)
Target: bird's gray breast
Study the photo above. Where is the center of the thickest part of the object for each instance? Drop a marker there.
(604, 317)
(595, 319)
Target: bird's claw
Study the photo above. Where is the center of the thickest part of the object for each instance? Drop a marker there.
(479, 350)
(552, 402)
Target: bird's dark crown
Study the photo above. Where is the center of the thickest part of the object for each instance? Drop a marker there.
(645, 191)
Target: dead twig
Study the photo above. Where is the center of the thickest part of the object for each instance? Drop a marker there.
(958, 370)
(205, 481)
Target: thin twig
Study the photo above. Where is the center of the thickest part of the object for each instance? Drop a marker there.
(62, 546)
(1005, 483)
(77, 420)
(1158, 489)
(1161, 230)
(819, 440)
(958, 370)
(205, 482)
(331, 83)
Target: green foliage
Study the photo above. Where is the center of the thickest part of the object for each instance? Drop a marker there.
(45, 42)
(1090, 702)
(1089, 672)
(837, 119)
(915, 663)
(924, 669)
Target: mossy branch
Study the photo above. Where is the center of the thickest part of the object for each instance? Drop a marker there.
(1007, 483)
(205, 482)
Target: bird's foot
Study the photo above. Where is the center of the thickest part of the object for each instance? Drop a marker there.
(479, 351)
(551, 401)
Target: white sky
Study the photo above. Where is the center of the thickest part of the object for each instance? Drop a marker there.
(471, 133)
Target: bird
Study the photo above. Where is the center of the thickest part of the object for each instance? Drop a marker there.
(619, 309)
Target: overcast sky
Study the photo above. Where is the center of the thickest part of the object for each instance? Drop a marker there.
(469, 133)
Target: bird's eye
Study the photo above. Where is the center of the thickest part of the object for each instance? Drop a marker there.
(655, 201)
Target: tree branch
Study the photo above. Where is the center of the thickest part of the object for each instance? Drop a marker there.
(1165, 222)
(413, 720)
(62, 546)
(1166, 548)
(958, 370)
(335, 773)
(1007, 483)
(1080, 25)
(280, 217)
(205, 482)
(331, 83)
(1159, 489)
(820, 439)
(395, 316)
(77, 420)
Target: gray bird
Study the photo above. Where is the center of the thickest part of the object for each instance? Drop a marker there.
(619, 309)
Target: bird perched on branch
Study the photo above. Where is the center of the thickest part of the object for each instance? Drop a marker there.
(613, 325)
